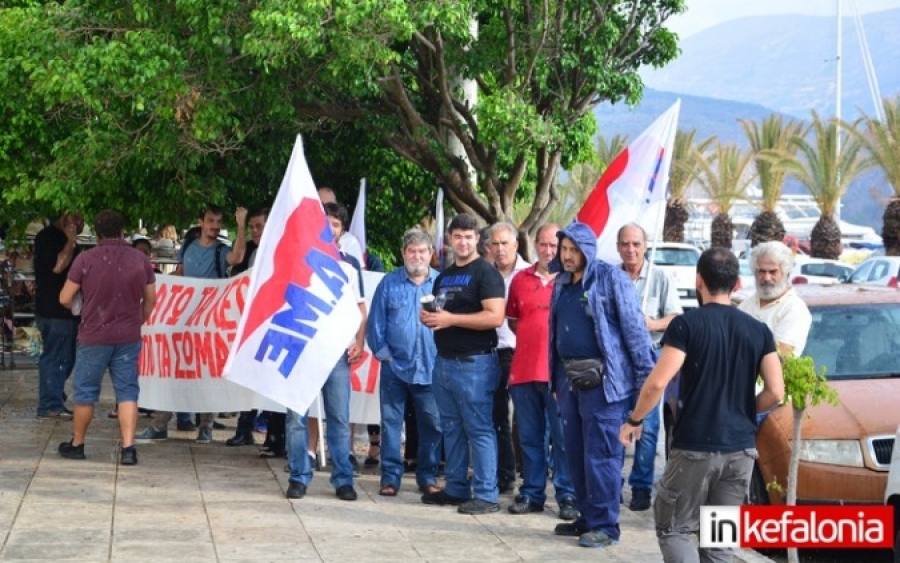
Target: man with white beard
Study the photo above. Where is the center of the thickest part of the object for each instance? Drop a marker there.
(775, 302)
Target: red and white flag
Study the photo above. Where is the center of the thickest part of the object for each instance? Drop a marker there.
(358, 222)
(634, 187)
(300, 313)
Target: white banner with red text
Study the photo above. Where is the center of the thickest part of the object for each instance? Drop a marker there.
(186, 343)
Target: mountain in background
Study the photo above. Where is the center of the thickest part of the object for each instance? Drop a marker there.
(786, 63)
(752, 67)
(708, 116)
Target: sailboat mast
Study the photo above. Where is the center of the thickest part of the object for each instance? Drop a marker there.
(837, 102)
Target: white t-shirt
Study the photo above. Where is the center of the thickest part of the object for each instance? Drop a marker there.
(353, 275)
(506, 338)
(787, 317)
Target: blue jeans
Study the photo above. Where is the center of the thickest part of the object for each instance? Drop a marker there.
(641, 476)
(393, 392)
(536, 412)
(464, 389)
(92, 361)
(591, 427)
(58, 337)
(336, 396)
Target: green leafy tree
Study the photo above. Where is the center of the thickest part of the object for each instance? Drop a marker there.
(804, 387)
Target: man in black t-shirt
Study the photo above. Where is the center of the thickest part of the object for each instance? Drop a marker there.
(470, 301)
(54, 250)
(720, 351)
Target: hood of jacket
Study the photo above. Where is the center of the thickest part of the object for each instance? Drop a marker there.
(583, 237)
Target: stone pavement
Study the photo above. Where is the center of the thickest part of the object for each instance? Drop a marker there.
(187, 502)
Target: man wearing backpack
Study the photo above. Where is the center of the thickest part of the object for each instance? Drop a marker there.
(203, 257)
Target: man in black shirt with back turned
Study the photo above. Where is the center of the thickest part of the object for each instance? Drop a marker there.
(470, 298)
(720, 351)
(54, 250)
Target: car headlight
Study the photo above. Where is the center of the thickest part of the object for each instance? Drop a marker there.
(833, 452)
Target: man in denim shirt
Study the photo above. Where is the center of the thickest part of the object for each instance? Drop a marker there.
(595, 315)
(405, 347)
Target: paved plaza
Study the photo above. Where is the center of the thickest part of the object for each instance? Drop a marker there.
(187, 502)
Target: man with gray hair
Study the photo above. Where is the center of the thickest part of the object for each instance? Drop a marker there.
(405, 347)
(775, 302)
(504, 245)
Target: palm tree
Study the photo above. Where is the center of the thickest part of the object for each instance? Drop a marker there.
(724, 174)
(826, 174)
(772, 135)
(881, 139)
(683, 172)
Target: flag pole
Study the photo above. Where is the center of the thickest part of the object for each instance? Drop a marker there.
(321, 445)
(660, 221)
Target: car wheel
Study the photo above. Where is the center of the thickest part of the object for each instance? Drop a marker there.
(757, 495)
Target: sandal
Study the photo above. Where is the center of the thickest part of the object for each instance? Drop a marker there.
(372, 460)
(430, 489)
(388, 491)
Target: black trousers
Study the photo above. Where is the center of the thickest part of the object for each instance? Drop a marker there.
(506, 456)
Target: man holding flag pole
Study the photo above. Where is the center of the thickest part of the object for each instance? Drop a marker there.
(302, 308)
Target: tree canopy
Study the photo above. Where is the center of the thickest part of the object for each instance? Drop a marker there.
(156, 106)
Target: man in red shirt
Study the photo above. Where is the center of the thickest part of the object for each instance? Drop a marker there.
(528, 313)
(119, 290)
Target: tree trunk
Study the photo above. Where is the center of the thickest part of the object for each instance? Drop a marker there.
(890, 229)
(793, 468)
(673, 226)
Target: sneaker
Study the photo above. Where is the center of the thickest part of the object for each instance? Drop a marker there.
(354, 463)
(128, 456)
(596, 538)
(296, 490)
(67, 450)
(186, 426)
(571, 530)
(240, 440)
(204, 436)
(477, 506)
(59, 415)
(346, 492)
(640, 500)
(151, 433)
(441, 498)
(524, 506)
(567, 510)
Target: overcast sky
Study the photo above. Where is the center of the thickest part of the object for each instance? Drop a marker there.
(702, 14)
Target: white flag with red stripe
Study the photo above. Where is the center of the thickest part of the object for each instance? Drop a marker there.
(634, 187)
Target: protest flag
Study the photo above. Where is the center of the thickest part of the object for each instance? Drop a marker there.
(633, 189)
(358, 222)
(300, 314)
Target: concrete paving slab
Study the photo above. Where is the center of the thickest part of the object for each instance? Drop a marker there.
(210, 503)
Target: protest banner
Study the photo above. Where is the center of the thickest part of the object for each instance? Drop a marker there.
(187, 339)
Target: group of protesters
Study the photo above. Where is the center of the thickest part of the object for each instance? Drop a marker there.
(581, 348)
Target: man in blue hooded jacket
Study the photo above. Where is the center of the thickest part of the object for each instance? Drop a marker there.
(600, 354)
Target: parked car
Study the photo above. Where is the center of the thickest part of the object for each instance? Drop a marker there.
(846, 449)
(819, 271)
(679, 261)
(879, 270)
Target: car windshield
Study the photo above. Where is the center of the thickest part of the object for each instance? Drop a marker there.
(674, 257)
(855, 341)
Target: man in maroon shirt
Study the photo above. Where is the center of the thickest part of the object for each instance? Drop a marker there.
(118, 290)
